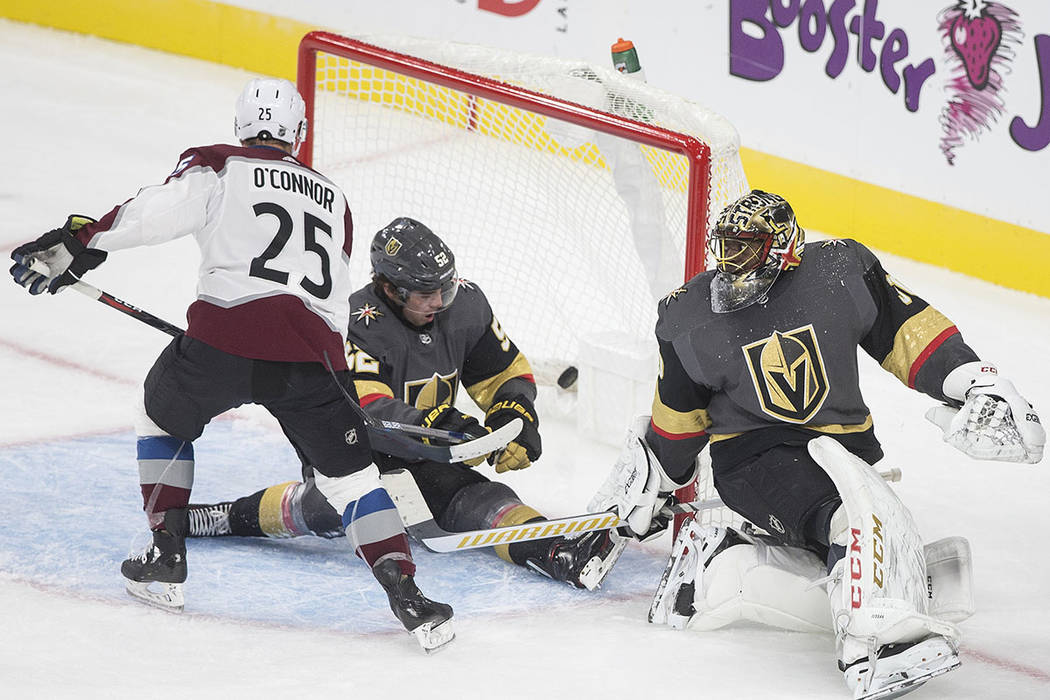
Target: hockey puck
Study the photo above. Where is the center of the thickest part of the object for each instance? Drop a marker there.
(567, 378)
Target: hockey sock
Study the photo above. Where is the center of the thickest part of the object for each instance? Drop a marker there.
(165, 475)
(370, 518)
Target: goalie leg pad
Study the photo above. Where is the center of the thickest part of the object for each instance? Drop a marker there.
(718, 576)
(879, 591)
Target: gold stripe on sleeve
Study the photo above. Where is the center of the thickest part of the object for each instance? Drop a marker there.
(484, 392)
(676, 424)
(370, 388)
(912, 339)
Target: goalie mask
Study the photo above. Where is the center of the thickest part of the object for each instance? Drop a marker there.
(412, 258)
(755, 239)
(271, 108)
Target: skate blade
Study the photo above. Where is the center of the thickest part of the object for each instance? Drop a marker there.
(905, 686)
(595, 571)
(434, 637)
(681, 569)
(169, 596)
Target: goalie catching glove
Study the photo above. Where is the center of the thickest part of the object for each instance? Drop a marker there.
(637, 488)
(446, 417)
(993, 421)
(526, 448)
(66, 257)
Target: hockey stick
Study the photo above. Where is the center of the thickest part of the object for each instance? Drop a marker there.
(467, 447)
(420, 523)
(112, 302)
(419, 520)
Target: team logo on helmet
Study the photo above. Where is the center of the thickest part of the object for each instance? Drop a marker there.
(351, 436)
(392, 246)
(788, 373)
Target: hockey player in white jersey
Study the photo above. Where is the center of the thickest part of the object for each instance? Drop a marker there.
(268, 327)
(418, 337)
(759, 360)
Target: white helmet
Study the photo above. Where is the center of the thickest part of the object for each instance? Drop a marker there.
(272, 106)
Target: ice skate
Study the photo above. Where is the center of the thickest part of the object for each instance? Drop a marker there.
(693, 549)
(156, 575)
(583, 562)
(901, 668)
(428, 621)
(210, 520)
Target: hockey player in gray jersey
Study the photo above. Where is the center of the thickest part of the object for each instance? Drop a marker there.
(759, 360)
(418, 334)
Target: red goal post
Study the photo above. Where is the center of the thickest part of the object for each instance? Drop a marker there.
(567, 190)
(698, 154)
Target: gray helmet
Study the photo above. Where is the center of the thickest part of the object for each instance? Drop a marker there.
(413, 259)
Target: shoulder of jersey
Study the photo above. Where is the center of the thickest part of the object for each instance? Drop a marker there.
(470, 303)
(366, 311)
(837, 249)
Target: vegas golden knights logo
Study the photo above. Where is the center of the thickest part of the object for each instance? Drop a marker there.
(431, 392)
(392, 246)
(788, 373)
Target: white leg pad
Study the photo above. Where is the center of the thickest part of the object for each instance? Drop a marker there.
(880, 596)
(771, 585)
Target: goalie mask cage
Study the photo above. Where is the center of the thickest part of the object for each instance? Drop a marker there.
(575, 196)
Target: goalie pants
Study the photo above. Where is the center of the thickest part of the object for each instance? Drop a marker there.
(783, 491)
(192, 382)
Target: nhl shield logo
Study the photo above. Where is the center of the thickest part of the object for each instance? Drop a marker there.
(788, 373)
(351, 436)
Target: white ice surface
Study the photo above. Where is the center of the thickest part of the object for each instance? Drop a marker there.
(87, 122)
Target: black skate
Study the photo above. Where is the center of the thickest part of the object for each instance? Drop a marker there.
(163, 563)
(428, 621)
(582, 562)
(210, 520)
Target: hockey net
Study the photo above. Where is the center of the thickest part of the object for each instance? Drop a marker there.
(575, 196)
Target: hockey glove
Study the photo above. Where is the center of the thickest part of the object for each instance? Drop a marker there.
(993, 421)
(637, 488)
(446, 417)
(66, 257)
(526, 448)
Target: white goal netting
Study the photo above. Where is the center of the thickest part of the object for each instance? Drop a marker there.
(570, 230)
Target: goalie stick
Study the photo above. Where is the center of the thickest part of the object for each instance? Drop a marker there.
(392, 434)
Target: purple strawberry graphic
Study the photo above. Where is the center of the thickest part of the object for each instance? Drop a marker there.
(975, 37)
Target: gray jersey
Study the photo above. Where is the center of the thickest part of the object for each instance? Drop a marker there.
(399, 371)
(787, 365)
